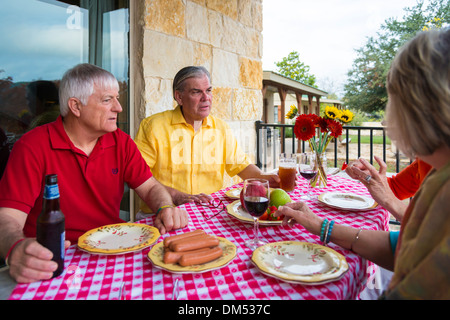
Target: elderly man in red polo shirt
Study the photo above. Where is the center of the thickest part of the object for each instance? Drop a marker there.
(93, 160)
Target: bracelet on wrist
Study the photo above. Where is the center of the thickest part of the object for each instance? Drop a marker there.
(11, 249)
(164, 207)
(330, 228)
(325, 231)
(322, 230)
(356, 239)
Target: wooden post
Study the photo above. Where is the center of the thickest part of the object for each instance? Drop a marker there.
(282, 92)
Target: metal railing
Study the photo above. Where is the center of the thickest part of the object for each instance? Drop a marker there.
(266, 145)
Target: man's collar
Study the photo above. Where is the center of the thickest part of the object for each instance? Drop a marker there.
(60, 140)
(178, 118)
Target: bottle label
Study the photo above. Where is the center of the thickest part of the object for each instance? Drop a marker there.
(63, 250)
(51, 192)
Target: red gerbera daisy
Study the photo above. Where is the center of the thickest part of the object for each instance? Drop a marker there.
(304, 128)
(335, 128)
(322, 124)
(314, 117)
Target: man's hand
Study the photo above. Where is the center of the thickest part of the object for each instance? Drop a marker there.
(274, 179)
(169, 219)
(252, 171)
(180, 198)
(30, 262)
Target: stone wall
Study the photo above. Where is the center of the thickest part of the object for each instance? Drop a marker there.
(224, 36)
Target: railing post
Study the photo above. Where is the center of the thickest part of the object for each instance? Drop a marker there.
(259, 125)
(258, 147)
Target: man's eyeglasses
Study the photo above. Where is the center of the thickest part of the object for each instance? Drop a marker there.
(215, 204)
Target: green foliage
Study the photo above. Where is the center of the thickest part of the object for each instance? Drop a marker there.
(365, 88)
(358, 118)
(293, 68)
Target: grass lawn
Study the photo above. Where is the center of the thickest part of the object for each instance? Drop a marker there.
(366, 139)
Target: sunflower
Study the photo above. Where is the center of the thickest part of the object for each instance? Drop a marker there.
(332, 112)
(304, 128)
(292, 112)
(346, 116)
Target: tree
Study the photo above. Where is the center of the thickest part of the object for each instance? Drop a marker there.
(293, 68)
(365, 88)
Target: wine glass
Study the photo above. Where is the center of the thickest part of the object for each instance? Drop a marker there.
(308, 170)
(256, 201)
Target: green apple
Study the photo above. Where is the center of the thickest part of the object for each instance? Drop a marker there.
(279, 197)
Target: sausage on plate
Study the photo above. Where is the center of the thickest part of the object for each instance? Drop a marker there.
(171, 257)
(193, 243)
(191, 259)
(169, 240)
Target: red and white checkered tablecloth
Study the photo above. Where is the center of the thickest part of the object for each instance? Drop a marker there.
(99, 277)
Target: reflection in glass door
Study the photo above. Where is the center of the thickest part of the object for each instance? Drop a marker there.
(40, 40)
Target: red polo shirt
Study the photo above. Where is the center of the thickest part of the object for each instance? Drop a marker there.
(91, 188)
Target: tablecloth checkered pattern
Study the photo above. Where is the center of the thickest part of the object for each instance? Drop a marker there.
(99, 277)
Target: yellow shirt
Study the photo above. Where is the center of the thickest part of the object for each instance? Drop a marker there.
(192, 162)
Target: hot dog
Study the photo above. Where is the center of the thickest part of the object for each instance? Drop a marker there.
(174, 256)
(169, 240)
(193, 243)
(191, 259)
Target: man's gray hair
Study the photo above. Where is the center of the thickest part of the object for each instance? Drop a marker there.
(79, 82)
(186, 73)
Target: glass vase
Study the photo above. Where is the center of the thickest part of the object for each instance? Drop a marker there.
(320, 180)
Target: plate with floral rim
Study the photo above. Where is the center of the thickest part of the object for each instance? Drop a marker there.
(347, 201)
(236, 210)
(300, 262)
(156, 256)
(118, 238)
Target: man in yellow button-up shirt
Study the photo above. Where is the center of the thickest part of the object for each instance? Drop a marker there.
(189, 150)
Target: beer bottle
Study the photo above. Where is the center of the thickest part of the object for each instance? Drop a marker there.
(51, 223)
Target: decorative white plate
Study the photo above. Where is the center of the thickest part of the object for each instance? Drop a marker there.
(300, 262)
(156, 255)
(118, 238)
(347, 201)
(234, 193)
(236, 210)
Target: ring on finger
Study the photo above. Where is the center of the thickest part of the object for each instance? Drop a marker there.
(367, 178)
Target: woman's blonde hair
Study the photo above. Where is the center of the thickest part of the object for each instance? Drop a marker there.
(418, 84)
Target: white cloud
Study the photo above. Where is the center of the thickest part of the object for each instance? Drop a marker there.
(324, 32)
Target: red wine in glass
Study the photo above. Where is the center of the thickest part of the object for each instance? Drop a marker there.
(256, 200)
(308, 174)
(308, 170)
(256, 206)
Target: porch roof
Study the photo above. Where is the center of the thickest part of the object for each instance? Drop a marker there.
(273, 81)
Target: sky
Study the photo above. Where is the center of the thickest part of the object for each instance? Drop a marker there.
(325, 33)
(42, 39)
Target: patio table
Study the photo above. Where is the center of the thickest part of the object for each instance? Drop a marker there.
(99, 277)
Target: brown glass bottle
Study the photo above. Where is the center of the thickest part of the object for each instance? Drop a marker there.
(51, 223)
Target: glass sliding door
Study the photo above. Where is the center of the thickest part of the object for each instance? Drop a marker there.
(39, 41)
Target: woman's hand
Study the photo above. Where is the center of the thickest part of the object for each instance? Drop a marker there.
(299, 212)
(377, 184)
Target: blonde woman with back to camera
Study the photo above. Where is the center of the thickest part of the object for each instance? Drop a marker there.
(418, 120)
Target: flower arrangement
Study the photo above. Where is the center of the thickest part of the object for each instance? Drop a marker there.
(329, 126)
